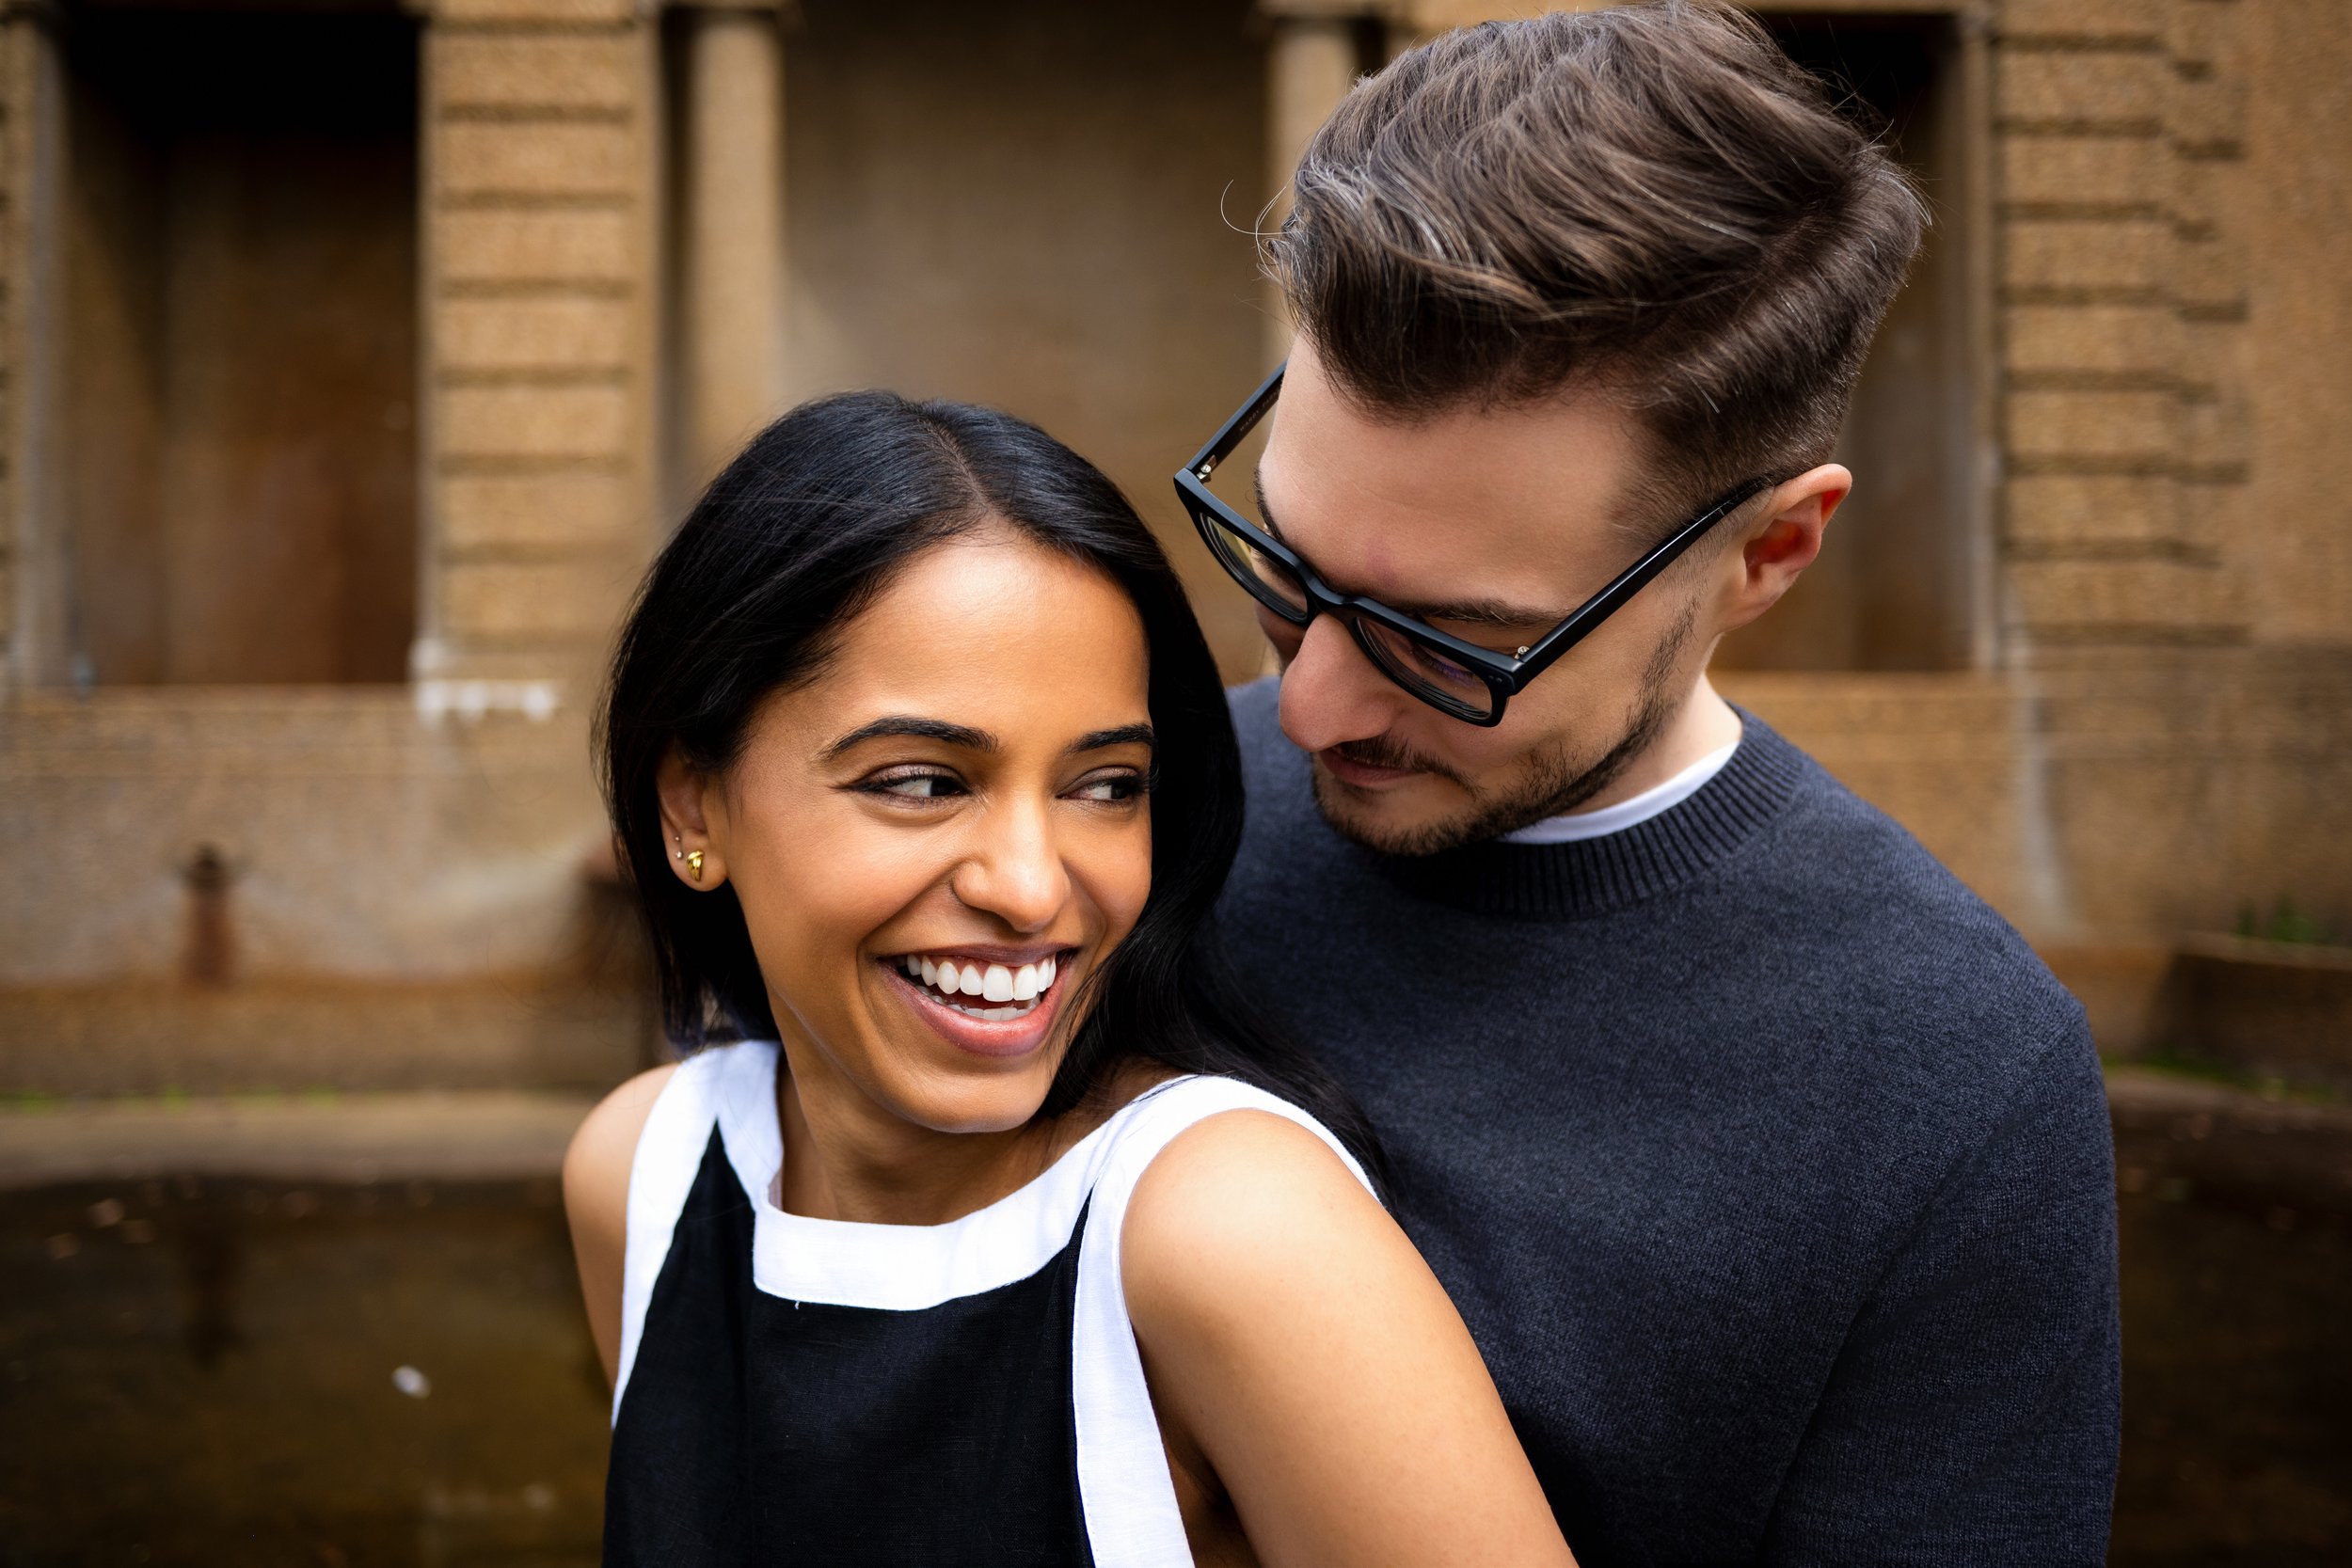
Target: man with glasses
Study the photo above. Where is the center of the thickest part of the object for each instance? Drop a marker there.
(1768, 1166)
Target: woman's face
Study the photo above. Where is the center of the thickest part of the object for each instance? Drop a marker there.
(940, 838)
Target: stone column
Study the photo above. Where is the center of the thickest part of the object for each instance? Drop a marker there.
(1311, 63)
(733, 270)
(35, 580)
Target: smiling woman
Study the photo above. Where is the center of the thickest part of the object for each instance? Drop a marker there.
(981, 1210)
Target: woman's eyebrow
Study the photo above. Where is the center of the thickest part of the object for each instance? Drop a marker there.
(1126, 734)
(921, 729)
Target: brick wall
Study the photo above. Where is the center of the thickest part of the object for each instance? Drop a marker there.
(540, 283)
(2123, 311)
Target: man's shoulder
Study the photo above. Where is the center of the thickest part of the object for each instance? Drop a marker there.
(1895, 936)
(1257, 723)
(1275, 783)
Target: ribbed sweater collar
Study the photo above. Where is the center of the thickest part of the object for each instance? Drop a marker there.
(1568, 882)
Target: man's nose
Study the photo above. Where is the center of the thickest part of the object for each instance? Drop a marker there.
(1331, 692)
(1015, 871)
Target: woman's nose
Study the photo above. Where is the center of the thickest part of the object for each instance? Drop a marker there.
(1016, 872)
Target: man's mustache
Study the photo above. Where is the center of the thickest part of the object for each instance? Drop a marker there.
(1383, 751)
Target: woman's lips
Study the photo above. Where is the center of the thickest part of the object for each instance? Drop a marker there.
(982, 1036)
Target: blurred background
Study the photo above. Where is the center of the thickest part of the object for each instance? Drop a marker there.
(355, 357)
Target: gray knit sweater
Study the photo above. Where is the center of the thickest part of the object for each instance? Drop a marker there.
(1769, 1168)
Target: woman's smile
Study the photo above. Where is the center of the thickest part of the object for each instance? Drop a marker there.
(987, 999)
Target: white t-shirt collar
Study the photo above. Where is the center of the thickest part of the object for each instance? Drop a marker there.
(1578, 826)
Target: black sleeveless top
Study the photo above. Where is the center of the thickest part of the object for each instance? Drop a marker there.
(846, 1394)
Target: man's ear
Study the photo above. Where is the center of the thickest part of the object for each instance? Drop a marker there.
(687, 802)
(1783, 541)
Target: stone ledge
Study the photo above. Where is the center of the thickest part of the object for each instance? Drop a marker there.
(530, 1032)
(486, 1134)
(2156, 1092)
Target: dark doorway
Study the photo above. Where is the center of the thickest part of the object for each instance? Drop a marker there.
(1895, 587)
(240, 267)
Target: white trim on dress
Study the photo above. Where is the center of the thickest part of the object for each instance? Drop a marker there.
(1125, 1490)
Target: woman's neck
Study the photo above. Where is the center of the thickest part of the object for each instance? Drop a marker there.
(847, 1157)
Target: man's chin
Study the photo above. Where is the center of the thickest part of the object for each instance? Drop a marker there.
(1409, 818)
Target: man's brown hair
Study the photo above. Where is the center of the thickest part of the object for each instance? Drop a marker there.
(1653, 203)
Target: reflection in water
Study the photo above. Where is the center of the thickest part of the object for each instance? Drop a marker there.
(206, 1374)
(206, 1244)
(212, 1372)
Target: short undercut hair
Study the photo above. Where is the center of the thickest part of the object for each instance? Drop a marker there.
(1653, 203)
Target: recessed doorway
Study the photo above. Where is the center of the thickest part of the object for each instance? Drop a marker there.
(1898, 586)
(239, 356)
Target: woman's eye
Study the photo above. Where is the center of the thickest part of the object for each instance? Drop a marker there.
(918, 787)
(1110, 788)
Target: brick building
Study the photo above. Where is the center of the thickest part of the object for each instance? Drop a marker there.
(351, 360)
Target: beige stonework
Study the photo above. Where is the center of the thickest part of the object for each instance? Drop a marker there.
(545, 334)
(2124, 340)
(2120, 92)
(491, 511)
(550, 13)
(585, 424)
(2102, 428)
(545, 247)
(2060, 511)
(2070, 21)
(2127, 600)
(2123, 170)
(2153, 734)
(541, 599)
(499, 158)
(2078, 256)
(502, 72)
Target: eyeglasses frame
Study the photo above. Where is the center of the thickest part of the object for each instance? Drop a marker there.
(1505, 675)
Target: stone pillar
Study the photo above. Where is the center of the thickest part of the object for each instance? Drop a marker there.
(1311, 63)
(35, 583)
(2123, 297)
(733, 276)
(540, 137)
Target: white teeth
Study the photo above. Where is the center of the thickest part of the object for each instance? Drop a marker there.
(997, 983)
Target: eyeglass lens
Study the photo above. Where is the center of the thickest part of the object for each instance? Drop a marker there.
(1273, 584)
(1424, 671)
(1420, 670)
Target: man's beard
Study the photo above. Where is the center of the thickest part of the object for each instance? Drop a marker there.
(1555, 780)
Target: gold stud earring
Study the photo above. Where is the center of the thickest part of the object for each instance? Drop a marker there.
(694, 863)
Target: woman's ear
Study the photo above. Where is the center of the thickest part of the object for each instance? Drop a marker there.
(687, 798)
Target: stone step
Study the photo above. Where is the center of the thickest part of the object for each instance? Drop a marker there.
(470, 1135)
(525, 1032)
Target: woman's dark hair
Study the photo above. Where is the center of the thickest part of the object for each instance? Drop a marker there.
(807, 527)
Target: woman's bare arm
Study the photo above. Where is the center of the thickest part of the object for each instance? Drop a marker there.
(1294, 1336)
(596, 1201)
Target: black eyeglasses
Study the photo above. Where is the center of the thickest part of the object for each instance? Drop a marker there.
(1457, 678)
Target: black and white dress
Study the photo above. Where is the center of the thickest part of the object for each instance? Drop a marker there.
(823, 1391)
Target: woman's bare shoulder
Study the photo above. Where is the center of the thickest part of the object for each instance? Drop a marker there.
(1296, 1340)
(596, 1164)
(596, 1201)
(1232, 1197)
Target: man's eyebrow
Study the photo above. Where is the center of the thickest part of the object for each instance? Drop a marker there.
(921, 729)
(1473, 612)
(1125, 734)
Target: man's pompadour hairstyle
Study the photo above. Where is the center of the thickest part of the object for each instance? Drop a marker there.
(1653, 203)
